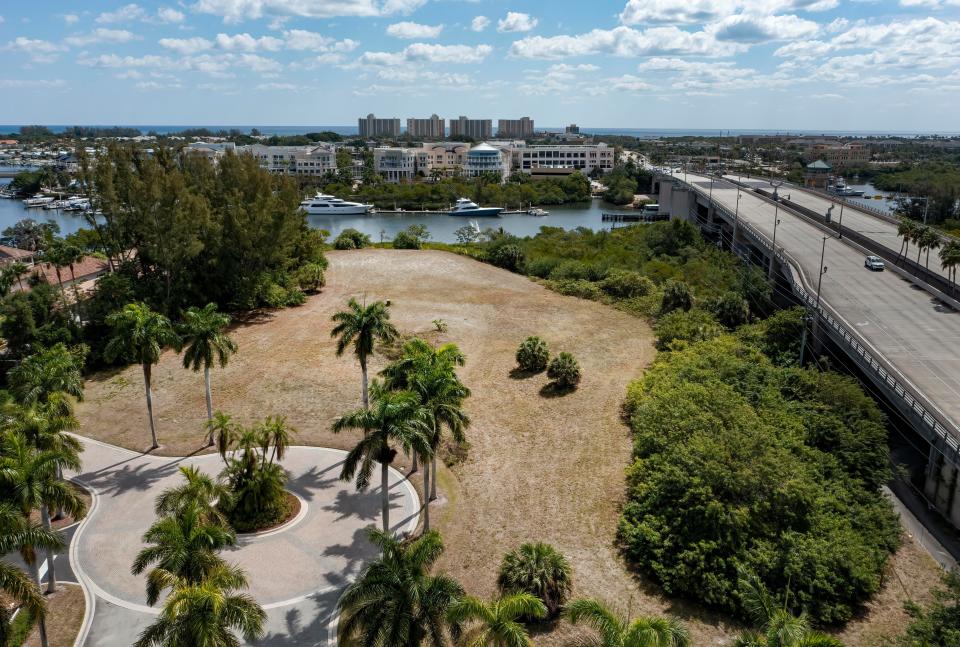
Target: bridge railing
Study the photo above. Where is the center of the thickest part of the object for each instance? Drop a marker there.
(883, 372)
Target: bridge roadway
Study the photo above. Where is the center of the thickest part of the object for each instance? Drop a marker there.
(902, 323)
(873, 226)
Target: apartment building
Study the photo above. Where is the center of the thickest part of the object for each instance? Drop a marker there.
(477, 129)
(431, 127)
(447, 157)
(371, 126)
(293, 160)
(520, 128)
(840, 155)
(395, 164)
(576, 157)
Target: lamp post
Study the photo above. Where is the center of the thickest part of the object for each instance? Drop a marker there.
(773, 255)
(823, 270)
(807, 318)
(840, 223)
(736, 222)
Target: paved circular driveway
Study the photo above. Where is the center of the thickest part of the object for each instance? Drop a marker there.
(296, 572)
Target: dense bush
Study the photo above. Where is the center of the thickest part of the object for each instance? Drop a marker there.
(533, 355)
(685, 325)
(258, 498)
(676, 296)
(577, 288)
(730, 309)
(406, 240)
(538, 569)
(936, 624)
(578, 270)
(509, 257)
(542, 267)
(311, 277)
(350, 238)
(564, 371)
(731, 471)
(626, 284)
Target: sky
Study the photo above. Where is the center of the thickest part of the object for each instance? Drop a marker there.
(887, 65)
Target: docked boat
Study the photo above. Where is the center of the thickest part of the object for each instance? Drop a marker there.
(37, 201)
(537, 211)
(467, 207)
(328, 205)
(841, 189)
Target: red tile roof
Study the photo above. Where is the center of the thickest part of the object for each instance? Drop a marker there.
(14, 253)
(87, 267)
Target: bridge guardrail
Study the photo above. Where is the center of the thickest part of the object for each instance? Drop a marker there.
(872, 361)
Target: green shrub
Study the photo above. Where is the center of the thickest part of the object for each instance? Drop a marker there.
(311, 277)
(258, 498)
(533, 355)
(564, 371)
(578, 270)
(509, 257)
(730, 309)
(626, 284)
(295, 297)
(577, 288)
(676, 296)
(937, 623)
(538, 569)
(406, 240)
(690, 326)
(350, 238)
(541, 267)
(273, 295)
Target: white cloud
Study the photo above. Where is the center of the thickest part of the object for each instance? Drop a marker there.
(2, 20)
(629, 83)
(277, 86)
(233, 11)
(186, 45)
(516, 21)
(260, 64)
(70, 18)
(168, 15)
(624, 42)
(427, 53)
(39, 51)
(100, 35)
(638, 12)
(300, 39)
(479, 23)
(744, 28)
(115, 61)
(412, 30)
(25, 84)
(127, 13)
(247, 43)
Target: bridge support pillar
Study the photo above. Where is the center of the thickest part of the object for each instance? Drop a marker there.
(943, 482)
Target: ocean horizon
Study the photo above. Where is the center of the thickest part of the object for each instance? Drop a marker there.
(643, 133)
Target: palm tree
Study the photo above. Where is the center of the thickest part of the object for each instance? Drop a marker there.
(616, 631)
(185, 546)
(396, 418)
(223, 431)
(206, 612)
(199, 490)
(496, 623)
(58, 256)
(19, 269)
(275, 436)
(538, 569)
(140, 335)
(18, 534)
(907, 230)
(363, 326)
(49, 371)
(396, 601)
(204, 343)
(927, 240)
(31, 483)
(430, 372)
(777, 626)
(950, 260)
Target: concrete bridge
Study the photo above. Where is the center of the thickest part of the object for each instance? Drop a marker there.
(900, 328)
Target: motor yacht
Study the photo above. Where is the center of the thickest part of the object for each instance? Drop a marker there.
(328, 205)
(37, 201)
(467, 207)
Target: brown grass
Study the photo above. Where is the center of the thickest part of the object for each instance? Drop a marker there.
(65, 610)
(539, 468)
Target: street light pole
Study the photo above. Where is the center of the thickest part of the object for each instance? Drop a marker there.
(773, 255)
(840, 223)
(823, 270)
(736, 222)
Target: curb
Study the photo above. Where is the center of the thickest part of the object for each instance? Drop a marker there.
(89, 599)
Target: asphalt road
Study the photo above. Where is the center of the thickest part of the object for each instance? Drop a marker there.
(906, 325)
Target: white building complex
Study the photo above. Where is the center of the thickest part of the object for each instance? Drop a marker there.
(293, 160)
(395, 164)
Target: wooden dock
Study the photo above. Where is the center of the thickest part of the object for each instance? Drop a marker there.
(634, 217)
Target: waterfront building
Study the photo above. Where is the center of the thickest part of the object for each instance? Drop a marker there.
(293, 160)
(395, 164)
(370, 126)
(447, 157)
(477, 129)
(840, 155)
(520, 128)
(573, 157)
(817, 175)
(213, 151)
(485, 158)
(431, 128)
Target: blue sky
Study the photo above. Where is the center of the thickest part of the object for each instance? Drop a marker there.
(770, 64)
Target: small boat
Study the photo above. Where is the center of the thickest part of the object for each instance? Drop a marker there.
(537, 211)
(328, 205)
(467, 207)
(37, 201)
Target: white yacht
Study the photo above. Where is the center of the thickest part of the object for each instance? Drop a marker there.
(37, 201)
(466, 207)
(328, 205)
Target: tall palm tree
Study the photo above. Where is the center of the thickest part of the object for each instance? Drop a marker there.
(140, 335)
(223, 430)
(275, 436)
(58, 256)
(396, 601)
(199, 490)
(616, 631)
(928, 239)
(31, 483)
(48, 371)
(777, 626)
(496, 623)
(907, 230)
(205, 342)
(430, 372)
(18, 534)
(205, 613)
(185, 546)
(363, 326)
(396, 418)
(950, 260)
(19, 269)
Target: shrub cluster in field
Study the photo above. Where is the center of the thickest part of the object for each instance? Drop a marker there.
(744, 463)
(533, 356)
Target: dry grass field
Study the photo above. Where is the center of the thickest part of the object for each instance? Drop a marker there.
(539, 468)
